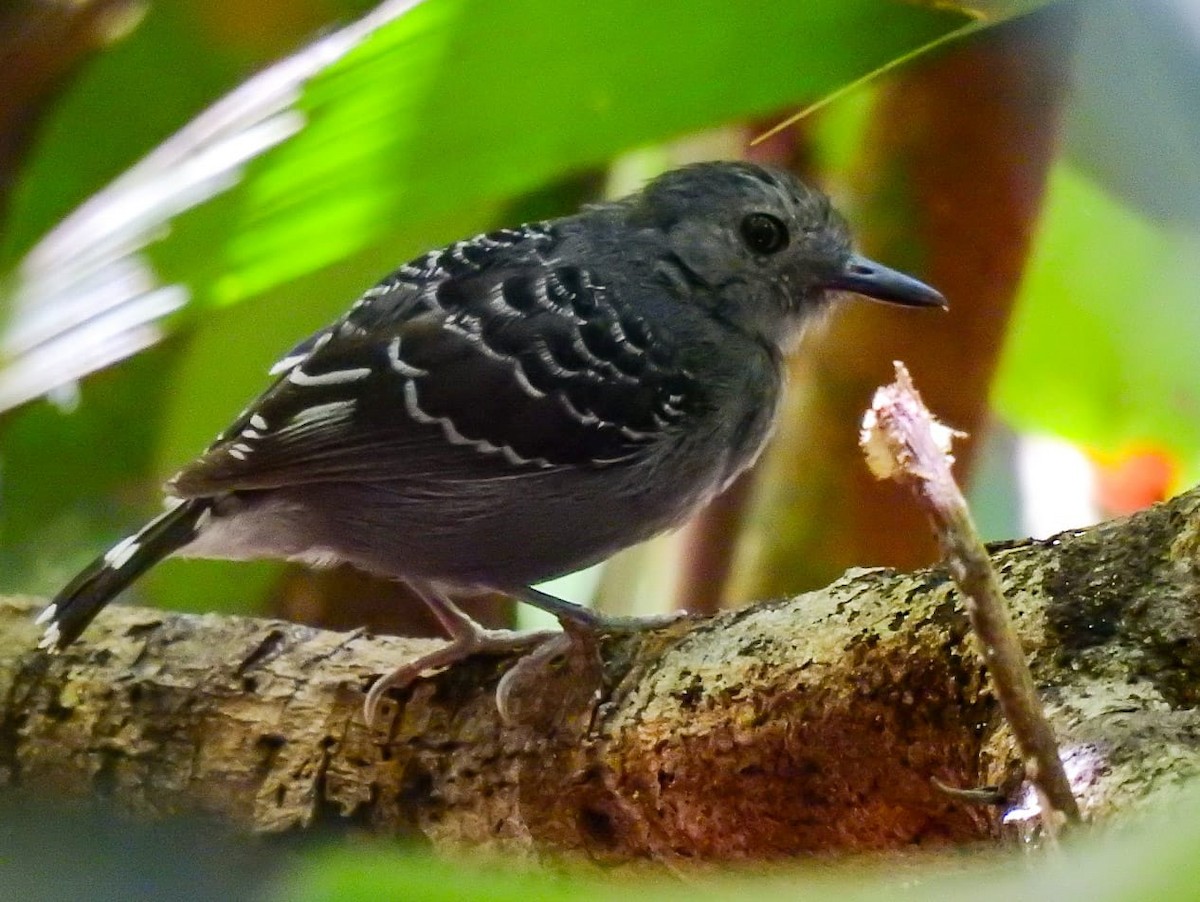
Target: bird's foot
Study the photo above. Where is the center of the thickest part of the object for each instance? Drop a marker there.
(577, 646)
(536, 663)
(468, 640)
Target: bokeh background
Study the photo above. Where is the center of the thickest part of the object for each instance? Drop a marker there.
(1037, 161)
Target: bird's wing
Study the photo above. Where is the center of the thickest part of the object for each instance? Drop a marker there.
(457, 369)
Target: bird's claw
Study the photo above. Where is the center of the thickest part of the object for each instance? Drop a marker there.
(461, 647)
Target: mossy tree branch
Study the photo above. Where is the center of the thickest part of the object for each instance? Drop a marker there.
(812, 724)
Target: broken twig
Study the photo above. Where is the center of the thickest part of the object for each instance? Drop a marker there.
(903, 441)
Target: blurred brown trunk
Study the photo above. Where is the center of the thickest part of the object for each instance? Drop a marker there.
(949, 188)
(41, 46)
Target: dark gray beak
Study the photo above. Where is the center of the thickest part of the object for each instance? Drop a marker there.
(872, 280)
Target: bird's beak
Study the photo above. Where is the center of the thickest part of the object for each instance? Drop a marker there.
(872, 280)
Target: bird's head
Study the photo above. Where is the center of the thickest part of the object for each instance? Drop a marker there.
(769, 250)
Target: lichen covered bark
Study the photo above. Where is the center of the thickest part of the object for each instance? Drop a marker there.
(814, 724)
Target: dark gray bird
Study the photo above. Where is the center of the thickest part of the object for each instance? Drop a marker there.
(519, 404)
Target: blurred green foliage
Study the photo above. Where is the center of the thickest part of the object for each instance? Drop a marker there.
(1154, 859)
(435, 125)
(424, 133)
(433, 129)
(1103, 349)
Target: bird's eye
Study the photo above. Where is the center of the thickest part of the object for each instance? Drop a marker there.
(764, 233)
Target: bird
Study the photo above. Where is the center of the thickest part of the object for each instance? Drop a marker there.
(520, 404)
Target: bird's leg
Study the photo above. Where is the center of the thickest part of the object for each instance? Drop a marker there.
(580, 621)
(582, 628)
(466, 638)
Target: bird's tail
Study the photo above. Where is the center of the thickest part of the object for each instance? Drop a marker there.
(86, 595)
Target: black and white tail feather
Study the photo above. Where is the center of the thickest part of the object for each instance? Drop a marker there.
(87, 594)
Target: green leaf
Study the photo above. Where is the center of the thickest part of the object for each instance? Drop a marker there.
(427, 118)
(434, 114)
(126, 101)
(1154, 859)
(1103, 346)
(75, 478)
